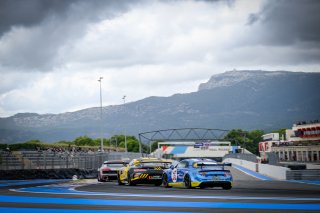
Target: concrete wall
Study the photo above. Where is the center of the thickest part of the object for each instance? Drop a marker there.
(246, 164)
(276, 172)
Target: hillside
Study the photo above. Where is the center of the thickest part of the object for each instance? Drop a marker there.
(235, 99)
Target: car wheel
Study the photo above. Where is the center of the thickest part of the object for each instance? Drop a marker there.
(99, 179)
(165, 181)
(119, 180)
(187, 182)
(129, 181)
(227, 187)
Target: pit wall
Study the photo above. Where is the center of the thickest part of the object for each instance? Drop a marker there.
(276, 172)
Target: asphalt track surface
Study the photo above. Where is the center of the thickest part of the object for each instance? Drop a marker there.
(249, 194)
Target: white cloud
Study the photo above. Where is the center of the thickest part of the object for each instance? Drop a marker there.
(152, 48)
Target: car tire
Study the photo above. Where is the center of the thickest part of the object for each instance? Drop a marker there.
(227, 187)
(165, 181)
(119, 180)
(187, 182)
(129, 181)
(158, 184)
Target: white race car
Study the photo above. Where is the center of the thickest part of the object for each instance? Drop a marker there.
(109, 169)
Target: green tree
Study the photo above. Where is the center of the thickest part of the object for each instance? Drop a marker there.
(84, 141)
(97, 142)
(254, 137)
(132, 142)
(33, 142)
(154, 145)
(133, 145)
(145, 148)
(236, 136)
(247, 140)
(64, 143)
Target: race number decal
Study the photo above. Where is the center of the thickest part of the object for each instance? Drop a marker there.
(174, 175)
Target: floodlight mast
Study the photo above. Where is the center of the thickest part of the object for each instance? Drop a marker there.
(101, 134)
(125, 134)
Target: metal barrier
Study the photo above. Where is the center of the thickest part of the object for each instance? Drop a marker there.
(58, 160)
(310, 174)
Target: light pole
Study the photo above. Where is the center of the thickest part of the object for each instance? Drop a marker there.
(125, 134)
(101, 140)
(115, 139)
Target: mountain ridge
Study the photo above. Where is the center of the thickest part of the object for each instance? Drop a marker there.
(235, 99)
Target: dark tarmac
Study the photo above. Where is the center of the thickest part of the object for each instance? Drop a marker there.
(247, 195)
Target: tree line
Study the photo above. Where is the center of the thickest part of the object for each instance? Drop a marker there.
(246, 139)
(116, 142)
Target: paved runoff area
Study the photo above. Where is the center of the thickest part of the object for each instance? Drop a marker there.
(251, 192)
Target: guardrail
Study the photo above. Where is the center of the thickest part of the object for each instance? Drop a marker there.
(310, 174)
(58, 160)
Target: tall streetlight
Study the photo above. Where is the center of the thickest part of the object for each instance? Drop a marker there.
(101, 140)
(125, 134)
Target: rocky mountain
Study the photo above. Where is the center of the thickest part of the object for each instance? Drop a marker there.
(235, 99)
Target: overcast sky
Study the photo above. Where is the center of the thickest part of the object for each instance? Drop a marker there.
(52, 52)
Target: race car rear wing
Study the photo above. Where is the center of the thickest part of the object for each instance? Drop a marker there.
(217, 164)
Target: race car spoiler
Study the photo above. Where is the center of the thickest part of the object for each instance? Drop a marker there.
(218, 164)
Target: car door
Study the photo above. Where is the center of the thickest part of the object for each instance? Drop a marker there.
(124, 172)
(182, 169)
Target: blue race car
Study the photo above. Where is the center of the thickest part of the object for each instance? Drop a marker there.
(201, 173)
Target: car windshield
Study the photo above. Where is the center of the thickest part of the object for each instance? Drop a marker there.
(113, 165)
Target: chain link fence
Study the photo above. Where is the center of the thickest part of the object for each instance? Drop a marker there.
(58, 160)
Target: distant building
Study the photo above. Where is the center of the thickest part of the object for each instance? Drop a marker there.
(191, 149)
(301, 143)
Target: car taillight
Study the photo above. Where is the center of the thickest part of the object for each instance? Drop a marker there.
(227, 174)
(203, 173)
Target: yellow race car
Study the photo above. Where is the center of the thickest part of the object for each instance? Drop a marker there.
(143, 170)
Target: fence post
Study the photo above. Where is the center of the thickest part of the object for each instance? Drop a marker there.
(7, 166)
(52, 159)
(45, 160)
(22, 161)
(67, 161)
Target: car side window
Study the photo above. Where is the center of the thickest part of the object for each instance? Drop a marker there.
(182, 164)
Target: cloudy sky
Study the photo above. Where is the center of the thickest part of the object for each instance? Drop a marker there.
(52, 52)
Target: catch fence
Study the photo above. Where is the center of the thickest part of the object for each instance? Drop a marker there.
(57, 160)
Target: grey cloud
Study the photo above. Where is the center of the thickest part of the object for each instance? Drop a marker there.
(253, 18)
(29, 13)
(32, 12)
(46, 28)
(288, 22)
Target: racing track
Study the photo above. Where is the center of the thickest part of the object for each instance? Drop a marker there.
(249, 194)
